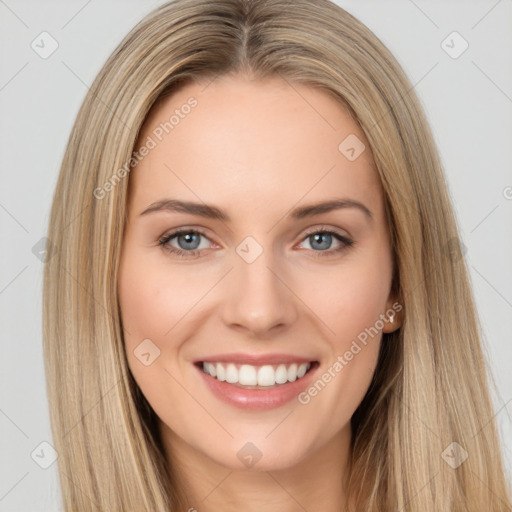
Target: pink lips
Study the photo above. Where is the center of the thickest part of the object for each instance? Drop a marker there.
(257, 399)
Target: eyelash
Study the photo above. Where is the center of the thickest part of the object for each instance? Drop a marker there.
(164, 242)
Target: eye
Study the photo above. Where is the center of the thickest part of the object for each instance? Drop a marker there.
(188, 242)
(321, 240)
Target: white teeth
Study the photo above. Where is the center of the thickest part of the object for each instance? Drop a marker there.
(249, 375)
(231, 374)
(266, 376)
(301, 371)
(221, 372)
(292, 372)
(211, 369)
(281, 374)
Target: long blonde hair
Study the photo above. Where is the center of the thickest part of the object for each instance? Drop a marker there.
(430, 388)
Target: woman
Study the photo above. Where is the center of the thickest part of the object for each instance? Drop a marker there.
(257, 298)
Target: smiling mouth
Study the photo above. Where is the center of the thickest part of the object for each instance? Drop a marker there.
(262, 377)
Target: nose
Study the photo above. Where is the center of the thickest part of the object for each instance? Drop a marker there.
(259, 299)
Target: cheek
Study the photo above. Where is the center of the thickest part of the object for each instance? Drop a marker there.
(162, 303)
(350, 298)
(153, 299)
(153, 302)
(350, 301)
(150, 308)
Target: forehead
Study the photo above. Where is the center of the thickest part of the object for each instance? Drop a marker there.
(243, 143)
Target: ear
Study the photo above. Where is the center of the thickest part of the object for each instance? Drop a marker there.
(393, 316)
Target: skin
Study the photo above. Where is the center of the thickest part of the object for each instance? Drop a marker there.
(255, 149)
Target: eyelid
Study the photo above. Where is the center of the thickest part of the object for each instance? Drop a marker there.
(326, 228)
(187, 229)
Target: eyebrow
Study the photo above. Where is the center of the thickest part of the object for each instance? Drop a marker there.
(212, 212)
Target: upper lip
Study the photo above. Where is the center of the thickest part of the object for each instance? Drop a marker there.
(255, 360)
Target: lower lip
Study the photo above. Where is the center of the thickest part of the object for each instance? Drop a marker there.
(258, 399)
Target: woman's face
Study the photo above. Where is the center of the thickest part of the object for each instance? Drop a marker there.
(251, 285)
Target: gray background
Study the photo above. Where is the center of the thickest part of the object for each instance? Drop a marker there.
(468, 101)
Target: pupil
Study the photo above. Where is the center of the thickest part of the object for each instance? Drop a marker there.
(189, 237)
(317, 238)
